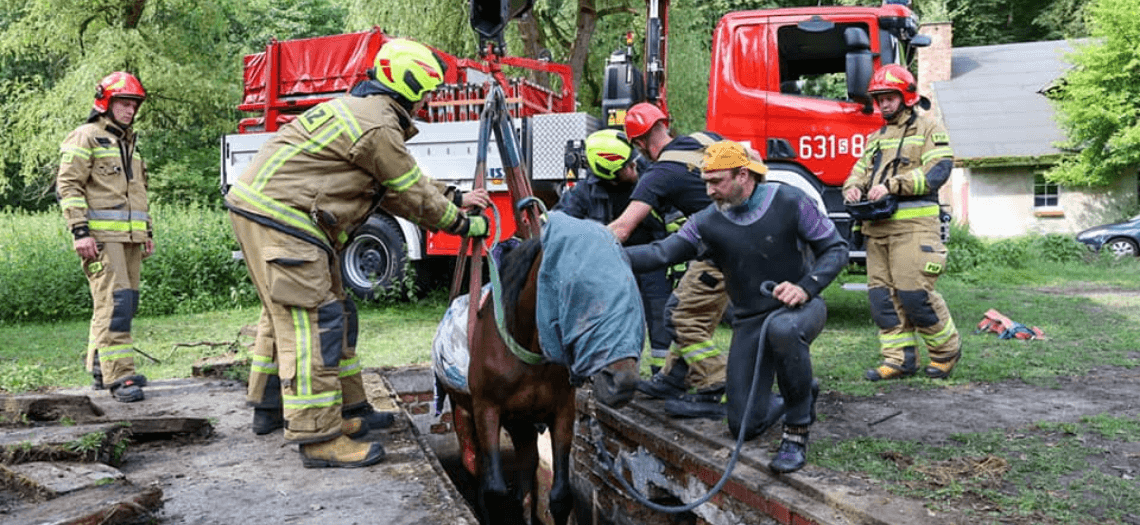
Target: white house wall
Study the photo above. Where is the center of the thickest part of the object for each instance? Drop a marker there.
(997, 203)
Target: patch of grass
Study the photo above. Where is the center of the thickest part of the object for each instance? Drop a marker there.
(52, 354)
(87, 443)
(1114, 428)
(1041, 471)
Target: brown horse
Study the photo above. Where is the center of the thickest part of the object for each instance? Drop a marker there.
(506, 393)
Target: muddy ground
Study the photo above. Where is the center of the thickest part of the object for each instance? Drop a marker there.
(932, 416)
(234, 476)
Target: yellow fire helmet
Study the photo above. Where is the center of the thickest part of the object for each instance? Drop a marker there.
(607, 151)
(408, 68)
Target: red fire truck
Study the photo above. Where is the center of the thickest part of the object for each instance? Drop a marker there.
(790, 82)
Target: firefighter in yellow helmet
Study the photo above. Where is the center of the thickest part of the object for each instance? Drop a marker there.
(910, 159)
(101, 185)
(295, 207)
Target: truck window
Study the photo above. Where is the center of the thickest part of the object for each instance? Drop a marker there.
(814, 63)
(748, 55)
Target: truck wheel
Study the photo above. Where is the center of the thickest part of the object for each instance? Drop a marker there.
(374, 259)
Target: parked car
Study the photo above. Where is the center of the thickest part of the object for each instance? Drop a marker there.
(1121, 238)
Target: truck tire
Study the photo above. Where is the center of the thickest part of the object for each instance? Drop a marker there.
(374, 260)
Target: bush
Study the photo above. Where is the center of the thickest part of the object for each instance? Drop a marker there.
(192, 269)
(968, 252)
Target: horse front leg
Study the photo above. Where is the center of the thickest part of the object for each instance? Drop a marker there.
(561, 438)
(497, 504)
(525, 440)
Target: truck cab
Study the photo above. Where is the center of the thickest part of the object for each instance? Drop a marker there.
(792, 83)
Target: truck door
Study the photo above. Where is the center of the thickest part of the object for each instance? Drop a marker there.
(822, 67)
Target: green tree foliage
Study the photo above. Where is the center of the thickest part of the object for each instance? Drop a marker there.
(990, 22)
(187, 53)
(1106, 70)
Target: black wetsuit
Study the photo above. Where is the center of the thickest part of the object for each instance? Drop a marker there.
(778, 234)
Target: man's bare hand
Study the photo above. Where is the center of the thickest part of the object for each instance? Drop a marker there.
(790, 294)
(853, 195)
(877, 192)
(87, 248)
(480, 198)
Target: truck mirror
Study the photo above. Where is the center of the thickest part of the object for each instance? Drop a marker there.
(860, 65)
(920, 41)
(489, 17)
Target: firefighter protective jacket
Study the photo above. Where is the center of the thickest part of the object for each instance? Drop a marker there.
(322, 174)
(102, 183)
(912, 157)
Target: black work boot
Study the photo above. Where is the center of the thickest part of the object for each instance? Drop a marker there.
(97, 376)
(792, 454)
(266, 420)
(666, 386)
(375, 420)
(128, 389)
(708, 403)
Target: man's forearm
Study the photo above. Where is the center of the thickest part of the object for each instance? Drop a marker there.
(660, 254)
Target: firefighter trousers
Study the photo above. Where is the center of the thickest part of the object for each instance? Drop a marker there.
(114, 280)
(264, 389)
(694, 311)
(902, 269)
(304, 306)
(655, 291)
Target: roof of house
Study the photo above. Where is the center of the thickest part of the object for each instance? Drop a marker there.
(993, 104)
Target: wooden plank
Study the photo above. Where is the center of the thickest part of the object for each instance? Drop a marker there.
(226, 366)
(103, 443)
(54, 479)
(159, 427)
(114, 504)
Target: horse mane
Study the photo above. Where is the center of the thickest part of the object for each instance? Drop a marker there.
(514, 272)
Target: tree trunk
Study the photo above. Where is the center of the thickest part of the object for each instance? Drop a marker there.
(132, 13)
(533, 44)
(587, 21)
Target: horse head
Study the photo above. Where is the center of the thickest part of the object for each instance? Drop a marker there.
(615, 384)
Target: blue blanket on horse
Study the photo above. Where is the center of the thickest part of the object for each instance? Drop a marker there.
(589, 309)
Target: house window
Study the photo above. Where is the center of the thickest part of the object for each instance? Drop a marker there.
(1044, 192)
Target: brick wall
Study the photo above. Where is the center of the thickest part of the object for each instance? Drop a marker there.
(934, 60)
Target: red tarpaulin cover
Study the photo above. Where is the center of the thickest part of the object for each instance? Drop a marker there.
(311, 66)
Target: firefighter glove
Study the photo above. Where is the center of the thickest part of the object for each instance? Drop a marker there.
(477, 226)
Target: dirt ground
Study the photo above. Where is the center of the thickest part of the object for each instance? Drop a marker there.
(234, 476)
(932, 416)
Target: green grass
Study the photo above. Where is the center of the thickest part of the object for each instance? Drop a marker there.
(1040, 472)
(44, 355)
